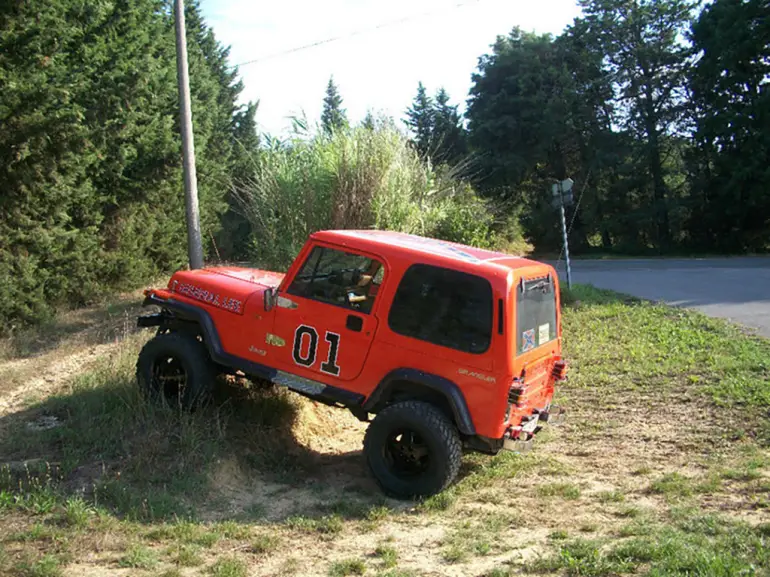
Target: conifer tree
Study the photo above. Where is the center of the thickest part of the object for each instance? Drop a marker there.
(420, 118)
(91, 171)
(333, 117)
(448, 132)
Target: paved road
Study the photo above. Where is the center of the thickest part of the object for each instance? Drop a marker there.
(733, 288)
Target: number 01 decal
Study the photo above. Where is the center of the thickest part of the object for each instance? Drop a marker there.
(308, 334)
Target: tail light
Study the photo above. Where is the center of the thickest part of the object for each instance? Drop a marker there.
(514, 393)
(559, 371)
(514, 397)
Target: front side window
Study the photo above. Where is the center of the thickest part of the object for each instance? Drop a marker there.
(444, 307)
(536, 313)
(339, 278)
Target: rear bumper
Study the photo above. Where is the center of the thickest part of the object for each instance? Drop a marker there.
(554, 415)
(521, 438)
(518, 445)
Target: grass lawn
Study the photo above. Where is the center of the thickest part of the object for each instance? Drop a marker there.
(662, 468)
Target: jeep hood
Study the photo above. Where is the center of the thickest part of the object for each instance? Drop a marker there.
(252, 275)
(225, 288)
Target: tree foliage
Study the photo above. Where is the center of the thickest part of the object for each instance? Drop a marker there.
(437, 128)
(333, 116)
(731, 209)
(449, 139)
(641, 43)
(662, 131)
(91, 163)
(420, 118)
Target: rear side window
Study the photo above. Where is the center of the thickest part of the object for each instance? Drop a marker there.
(536, 313)
(444, 307)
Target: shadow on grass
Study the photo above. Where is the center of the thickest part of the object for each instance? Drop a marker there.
(237, 456)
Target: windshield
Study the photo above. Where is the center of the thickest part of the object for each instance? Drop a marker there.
(536, 313)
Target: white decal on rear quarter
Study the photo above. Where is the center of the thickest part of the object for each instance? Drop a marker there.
(543, 333)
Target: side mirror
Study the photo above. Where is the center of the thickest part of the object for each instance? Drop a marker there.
(270, 295)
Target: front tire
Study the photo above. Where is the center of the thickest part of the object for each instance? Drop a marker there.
(413, 450)
(175, 368)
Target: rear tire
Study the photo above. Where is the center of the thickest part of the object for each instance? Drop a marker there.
(413, 450)
(175, 368)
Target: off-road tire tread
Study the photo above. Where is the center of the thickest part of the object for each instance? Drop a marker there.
(192, 353)
(436, 421)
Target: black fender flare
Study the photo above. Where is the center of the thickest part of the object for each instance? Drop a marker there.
(449, 390)
(313, 389)
(196, 314)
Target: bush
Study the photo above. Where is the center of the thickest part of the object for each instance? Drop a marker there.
(361, 178)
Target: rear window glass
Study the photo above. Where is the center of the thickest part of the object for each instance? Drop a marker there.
(444, 307)
(536, 313)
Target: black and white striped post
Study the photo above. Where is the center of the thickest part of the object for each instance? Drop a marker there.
(562, 194)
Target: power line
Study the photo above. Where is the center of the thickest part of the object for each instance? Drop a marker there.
(351, 34)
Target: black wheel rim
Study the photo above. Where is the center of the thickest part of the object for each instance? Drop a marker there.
(406, 454)
(169, 379)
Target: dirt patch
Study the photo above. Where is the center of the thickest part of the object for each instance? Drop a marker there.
(328, 430)
(46, 375)
(36, 360)
(325, 441)
(86, 570)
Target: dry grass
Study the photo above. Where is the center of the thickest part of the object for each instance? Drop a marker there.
(38, 359)
(653, 470)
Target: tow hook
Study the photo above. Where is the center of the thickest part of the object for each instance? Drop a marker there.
(518, 441)
(555, 415)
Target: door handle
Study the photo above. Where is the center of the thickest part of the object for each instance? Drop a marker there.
(354, 323)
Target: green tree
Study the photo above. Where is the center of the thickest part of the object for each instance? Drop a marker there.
(542, 109)
(49, 212)
(420, 118)
(333, 117)
(595, 154)
(448, 134)
(91, 164)
(235, 237)
(732, 138)
(515, 113)
(368, 122)
(642, 43)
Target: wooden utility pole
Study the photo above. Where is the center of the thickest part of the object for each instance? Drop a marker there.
(194, 246)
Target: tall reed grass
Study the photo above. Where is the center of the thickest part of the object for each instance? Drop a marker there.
(359, 178)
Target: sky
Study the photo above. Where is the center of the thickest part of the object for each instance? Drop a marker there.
(385, 48)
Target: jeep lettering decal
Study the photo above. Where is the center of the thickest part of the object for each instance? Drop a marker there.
(479, 376)
(208, 297)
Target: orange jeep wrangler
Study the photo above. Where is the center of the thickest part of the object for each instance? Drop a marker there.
(449, 347)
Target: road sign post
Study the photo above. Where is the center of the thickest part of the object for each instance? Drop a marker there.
(562, 192)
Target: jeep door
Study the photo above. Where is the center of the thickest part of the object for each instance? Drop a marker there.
(324, 315)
